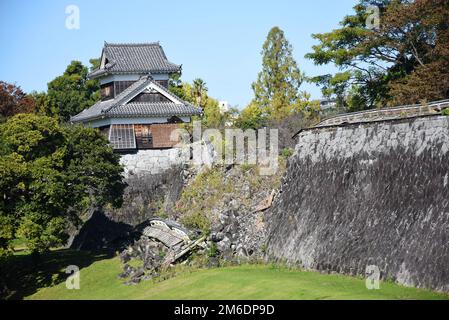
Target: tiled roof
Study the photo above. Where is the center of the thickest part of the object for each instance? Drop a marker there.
(155, 109)
(142, 58)
(121, 107)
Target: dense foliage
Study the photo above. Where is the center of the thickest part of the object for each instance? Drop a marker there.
(402, 60)
(14, 101)
(196, 94)
(252, 117)
(70, 93)
(48, 175)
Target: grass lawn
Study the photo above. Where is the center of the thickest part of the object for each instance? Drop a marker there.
(99, 281)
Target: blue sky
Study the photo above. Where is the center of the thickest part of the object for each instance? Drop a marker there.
(219, 41)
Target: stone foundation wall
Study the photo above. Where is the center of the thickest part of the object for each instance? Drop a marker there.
(154, 161)
(368, 194)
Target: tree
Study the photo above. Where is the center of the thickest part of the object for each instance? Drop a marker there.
(199, 91)
(429, 45)
(14, 101)
(49, 174)
(251, 117)
(196, 94)
(40, 100)
(94, 63)
(277, 86)
(71, 92)
(177, 87)
(400, 61)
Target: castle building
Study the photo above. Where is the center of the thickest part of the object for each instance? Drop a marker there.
(136, 111)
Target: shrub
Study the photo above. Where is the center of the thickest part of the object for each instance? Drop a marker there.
(247, 167)
(213, 250)
(287, 152)
(197, 220)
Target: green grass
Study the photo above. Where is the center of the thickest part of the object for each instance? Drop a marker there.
(24, 274)
(99, 281)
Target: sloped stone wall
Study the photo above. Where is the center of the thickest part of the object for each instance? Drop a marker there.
(368, 194)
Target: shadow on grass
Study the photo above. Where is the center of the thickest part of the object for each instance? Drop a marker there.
(23, 274)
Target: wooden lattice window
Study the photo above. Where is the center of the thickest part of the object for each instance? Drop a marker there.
(121, 86)
(144, 137)
(122, 136)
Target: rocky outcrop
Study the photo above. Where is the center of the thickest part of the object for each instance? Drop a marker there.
(240, 235)
(368, 194)
(149, 254)
(231, 201)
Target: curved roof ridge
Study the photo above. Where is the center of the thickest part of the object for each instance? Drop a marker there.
(131, 44)
(134, 58)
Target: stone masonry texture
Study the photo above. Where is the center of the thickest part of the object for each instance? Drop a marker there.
(368, 194)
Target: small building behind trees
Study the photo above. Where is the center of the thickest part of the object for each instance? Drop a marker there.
(136, 111)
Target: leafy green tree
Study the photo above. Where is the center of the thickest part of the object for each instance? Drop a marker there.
(392, 63)
(196, 94)
(94, 63)
(277, 86)
(307, 108)
(49, 174)
(71, 92)
(40, 99)
(93, 169)
(251, 117)
(177, 87)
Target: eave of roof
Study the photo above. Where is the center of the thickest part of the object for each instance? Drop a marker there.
(135, 58)
(121, 108)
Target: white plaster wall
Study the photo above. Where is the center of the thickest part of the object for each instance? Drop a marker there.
(130, 77)
(148, 120)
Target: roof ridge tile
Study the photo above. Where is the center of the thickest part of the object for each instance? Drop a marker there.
(131, 44)
(135, 58)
